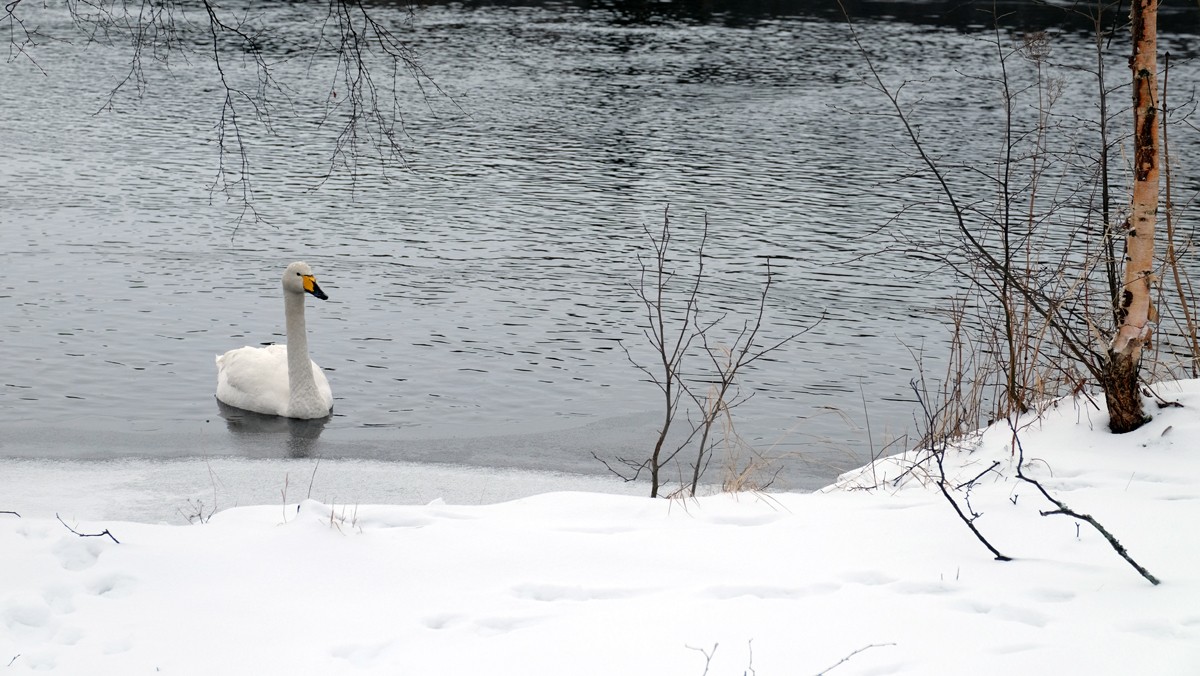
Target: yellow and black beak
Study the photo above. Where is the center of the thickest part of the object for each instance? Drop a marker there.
(310, 285)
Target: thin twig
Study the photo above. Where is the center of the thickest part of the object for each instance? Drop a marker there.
(87, 535)
(846, 659)
(313, 478)
(708, 655)
(977, 477)
(938, 450)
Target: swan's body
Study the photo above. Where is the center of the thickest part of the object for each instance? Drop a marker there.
(279, 379)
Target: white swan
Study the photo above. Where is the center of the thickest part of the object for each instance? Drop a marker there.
(279, 379)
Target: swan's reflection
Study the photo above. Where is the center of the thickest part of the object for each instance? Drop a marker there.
(263, 435)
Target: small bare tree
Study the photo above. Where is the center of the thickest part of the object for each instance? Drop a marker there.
(673, 326)
(727, 361)
(669, 338)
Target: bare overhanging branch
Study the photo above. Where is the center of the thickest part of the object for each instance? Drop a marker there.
(1048, 308)
(370, 59)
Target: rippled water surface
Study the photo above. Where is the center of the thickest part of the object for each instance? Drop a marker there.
(477, 295)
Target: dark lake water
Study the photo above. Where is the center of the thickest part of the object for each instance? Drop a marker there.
(477, 294)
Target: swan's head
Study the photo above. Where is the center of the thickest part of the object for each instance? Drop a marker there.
(298, 278)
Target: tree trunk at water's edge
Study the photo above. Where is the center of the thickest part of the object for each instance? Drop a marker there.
(1136, 313)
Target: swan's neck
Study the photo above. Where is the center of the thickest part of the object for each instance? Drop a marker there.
(301, 383)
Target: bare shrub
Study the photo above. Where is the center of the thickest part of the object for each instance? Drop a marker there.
(678, 333)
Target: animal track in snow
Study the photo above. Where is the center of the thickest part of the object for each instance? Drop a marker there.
(503, 625)
(117, 646)
(1017, 614)
(868, 577)
(770, 592)
(111, 586)
(39, 660)
(76, 553)
(1155, 629)
(26, 613)
(68, 636)
(60, 598)
(554, 592)
(1052, 595)
(34, 531)
(360, 655)
(442, 620)
(910, 587)
(25, 616)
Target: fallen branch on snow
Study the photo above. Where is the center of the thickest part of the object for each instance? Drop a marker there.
(1064, 509)
(87, 535)
(847, 657)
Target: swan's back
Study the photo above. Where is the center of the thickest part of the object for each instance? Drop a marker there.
(256, 379)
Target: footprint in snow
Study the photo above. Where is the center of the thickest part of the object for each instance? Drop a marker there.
(924, 588)
(117, 646)
(442, 620)
(1048, 595)
(60, 597)
(503, 625)
(111, 586)
(553, 592)
(37, 660)
(1156, 629)
(26, 617)
(360, 655)
(38, 531)
(1026, 616)
(26, 613)
(75, 553)
(68, 636)
(724, 592)
(868, 577)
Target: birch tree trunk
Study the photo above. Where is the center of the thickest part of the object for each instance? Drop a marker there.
(1136, 312)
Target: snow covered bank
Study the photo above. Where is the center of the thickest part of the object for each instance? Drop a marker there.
(588, 583)
(170, 491)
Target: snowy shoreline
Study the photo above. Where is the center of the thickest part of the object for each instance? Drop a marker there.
(163, 491)
(878, 573)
